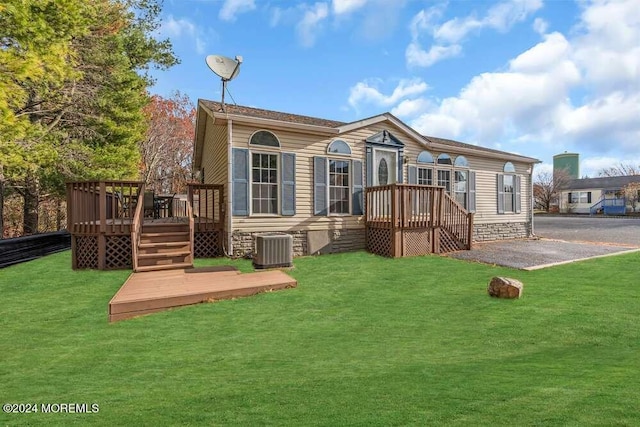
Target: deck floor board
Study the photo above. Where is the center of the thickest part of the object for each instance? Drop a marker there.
(148, 292)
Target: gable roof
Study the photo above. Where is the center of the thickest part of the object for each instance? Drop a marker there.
(334, 127)
(604, 183)
(269, 114)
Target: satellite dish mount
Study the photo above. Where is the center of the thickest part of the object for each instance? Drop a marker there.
(226, 68)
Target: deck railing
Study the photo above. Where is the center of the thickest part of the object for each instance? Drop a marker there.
(207, 202)
(401, 207)
(136, 231)
(101, 206)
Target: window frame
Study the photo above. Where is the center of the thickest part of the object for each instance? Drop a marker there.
(425, 169)
(278, 170)
(349, 187)
(262, 146)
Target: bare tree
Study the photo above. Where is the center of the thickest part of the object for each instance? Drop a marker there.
(547, 187)
(621, 169)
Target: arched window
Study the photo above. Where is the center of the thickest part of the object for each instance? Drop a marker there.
(383, 172)
(425, 157)
(264, 138)
(509, 168)
(461, 161)
(339, 147)
(444, 159)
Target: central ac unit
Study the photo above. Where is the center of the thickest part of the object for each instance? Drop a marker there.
(273, 250)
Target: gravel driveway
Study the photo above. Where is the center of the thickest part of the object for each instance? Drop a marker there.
(562, 240)
(622, 231)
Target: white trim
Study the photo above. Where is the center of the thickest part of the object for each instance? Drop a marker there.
(229, 212)
(339, 154)
(393, 171)
(265, 146)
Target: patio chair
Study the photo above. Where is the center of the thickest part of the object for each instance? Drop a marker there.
(149, 204)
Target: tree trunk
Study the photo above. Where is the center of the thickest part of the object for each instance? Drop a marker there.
(30, 207)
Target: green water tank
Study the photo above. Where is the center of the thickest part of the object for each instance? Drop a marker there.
(569, 162)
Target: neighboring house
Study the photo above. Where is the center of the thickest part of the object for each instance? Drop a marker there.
(305, 176)
(596, 195)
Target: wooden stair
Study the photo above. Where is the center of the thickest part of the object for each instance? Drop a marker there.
(164, 247)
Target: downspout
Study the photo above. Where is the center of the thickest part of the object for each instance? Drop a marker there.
(532, 199)
(229, 187)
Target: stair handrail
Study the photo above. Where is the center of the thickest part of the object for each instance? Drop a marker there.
(136, 227)
(465, 234)
(189, 212)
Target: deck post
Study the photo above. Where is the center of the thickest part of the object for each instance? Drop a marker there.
(102, 207)
(470, 231)
(102, 251)
(74, 251)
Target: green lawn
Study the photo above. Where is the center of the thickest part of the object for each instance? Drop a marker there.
(363, 340)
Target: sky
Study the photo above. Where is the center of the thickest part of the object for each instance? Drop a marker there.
(532, 77)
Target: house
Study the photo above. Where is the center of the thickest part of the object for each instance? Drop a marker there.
(336, 186)
(596, 195)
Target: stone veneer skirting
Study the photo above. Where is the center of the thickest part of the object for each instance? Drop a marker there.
(346, 240)
(342, 240)
(501, 231)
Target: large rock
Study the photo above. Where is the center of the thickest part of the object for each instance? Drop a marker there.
(505, 287)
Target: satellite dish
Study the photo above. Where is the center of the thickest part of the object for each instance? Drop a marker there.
(226, 68)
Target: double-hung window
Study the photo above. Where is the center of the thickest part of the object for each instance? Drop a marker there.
(339, 186)
(264, 183)
(444, 175)
(263, 178)
(337, 182)
(509, 190)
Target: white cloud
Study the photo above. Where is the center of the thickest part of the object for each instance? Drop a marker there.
(311, 23)
(172, 27)
(415, 55)
(411, 107)
(609, 46)
(232, 8)
(447, 37)
(367, 92)
(178, 28)
(540, 26)
(341, 7)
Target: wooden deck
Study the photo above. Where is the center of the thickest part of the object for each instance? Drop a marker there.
(154, 291)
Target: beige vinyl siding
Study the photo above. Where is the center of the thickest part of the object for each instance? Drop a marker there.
(306, 146)
(486, 170)
(214, 159)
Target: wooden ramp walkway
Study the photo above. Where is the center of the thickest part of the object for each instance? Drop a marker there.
(154, 291)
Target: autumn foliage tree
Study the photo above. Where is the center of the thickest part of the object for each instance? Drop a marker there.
(632, 194)
(166, 150)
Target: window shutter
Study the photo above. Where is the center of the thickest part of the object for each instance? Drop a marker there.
(588, 196)
(413, 174)
(369, 166)
(400, 167)
(518, 194)
(288, 181)
(500, 193)
(357, 202)
(472, 191)
(320, 203)
(240, 181)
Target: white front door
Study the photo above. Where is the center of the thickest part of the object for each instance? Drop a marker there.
(385, 166)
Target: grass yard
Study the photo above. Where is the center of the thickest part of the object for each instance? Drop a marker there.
(363, 340)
